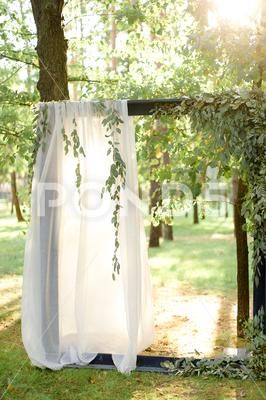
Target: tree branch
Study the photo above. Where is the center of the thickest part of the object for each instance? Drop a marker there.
(12, 58)
(10, 76)
(15, 104)
(8, 132)
(86, 79)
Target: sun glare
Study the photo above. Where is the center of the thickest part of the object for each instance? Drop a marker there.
(236, 12)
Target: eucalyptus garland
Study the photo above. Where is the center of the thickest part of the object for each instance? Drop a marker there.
(117, 176)
(234, 124)
(252, 366)
(72, 140)
(40, 129)
(224, 367)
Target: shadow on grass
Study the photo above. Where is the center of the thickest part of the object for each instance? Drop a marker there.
(19, 380)
(10, 307)
(10, 229)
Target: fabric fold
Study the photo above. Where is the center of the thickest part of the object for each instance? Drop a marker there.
(72, 309)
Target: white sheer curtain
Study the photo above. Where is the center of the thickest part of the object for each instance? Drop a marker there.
(72, 309)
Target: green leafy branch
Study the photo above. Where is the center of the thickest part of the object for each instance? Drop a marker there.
(234, 125)
(72, 140)
(40, 130)
(117, 177)
(252, 366)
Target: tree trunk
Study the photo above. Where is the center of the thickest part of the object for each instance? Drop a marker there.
(167, 230)
(226, 214)
(203, 211)
(14, 197)
(155, 198)
(195, 211)
(140, 192)
(51, 49)
(239, 191)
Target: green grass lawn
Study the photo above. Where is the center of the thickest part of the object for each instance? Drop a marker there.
(202, 256)
(208, 263)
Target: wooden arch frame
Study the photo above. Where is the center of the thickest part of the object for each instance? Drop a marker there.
(153, 363)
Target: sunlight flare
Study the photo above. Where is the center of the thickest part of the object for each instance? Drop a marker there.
(235, 12)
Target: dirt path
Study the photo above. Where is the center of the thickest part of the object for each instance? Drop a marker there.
(191, 324)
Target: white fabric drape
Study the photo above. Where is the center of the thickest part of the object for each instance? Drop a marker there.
(72, 309)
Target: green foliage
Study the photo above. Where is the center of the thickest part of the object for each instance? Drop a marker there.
(42, 129)
(220, 367)
(251, 367)
(235, 126)
(40, 132)
(234, 54)
(117, 177)
(17, 85)
(72, 140)
(257, 344)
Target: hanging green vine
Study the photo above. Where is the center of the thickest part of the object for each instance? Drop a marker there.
(234, 126)
(72, 140)
(117, 177)
(41, 129)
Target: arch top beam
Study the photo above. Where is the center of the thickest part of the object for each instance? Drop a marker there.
(147, 107)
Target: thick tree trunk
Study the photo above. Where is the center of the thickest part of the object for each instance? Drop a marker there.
(14, 197)
(51, 49)
(155, 198)
(239, 190)
(195, 211)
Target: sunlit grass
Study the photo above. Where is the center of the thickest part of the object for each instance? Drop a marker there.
(202, 256)
(195, 257)
(12, 240)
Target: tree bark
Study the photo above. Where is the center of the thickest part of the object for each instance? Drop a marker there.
(51, 49)
(167, 230)
(226, 209)
(14, 197)
(155, 198)
(203, 211)
(195, 211)
(239, 191)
